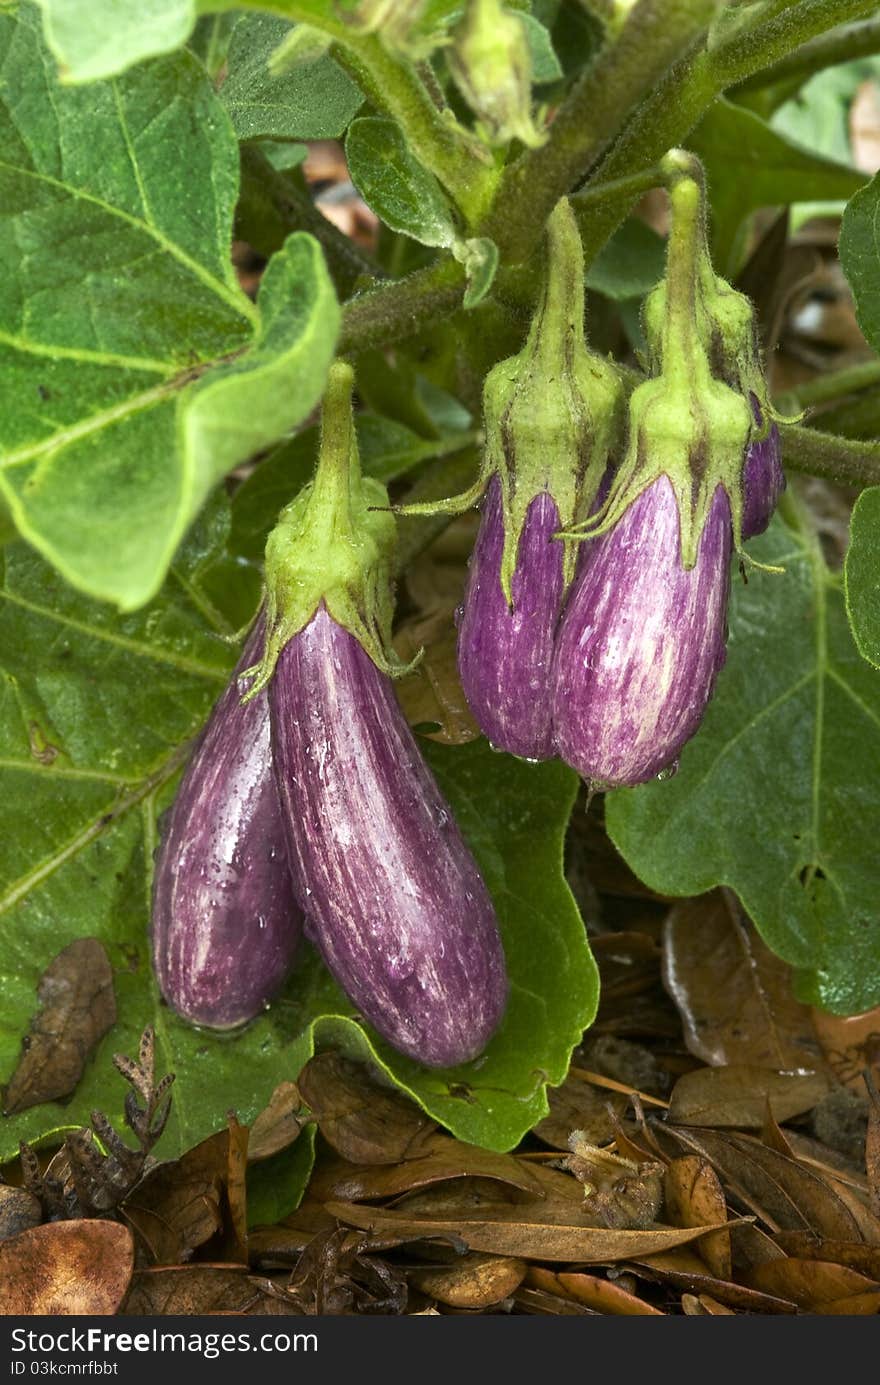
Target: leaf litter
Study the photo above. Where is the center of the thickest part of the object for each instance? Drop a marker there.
(709, 1153)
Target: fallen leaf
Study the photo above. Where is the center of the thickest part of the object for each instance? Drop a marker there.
(537, 1302)
(733, 994)
(526, 1238)
(783, 1192)
(476, 1281)
(861, 1305)
(199, 1289)
(694, 1197)
(593, 1291)
(180, 1205)
(703, 1305)
(364, 1122)
(737, 1095)
(444, 1159)
(431, 696)
(277, 1125)
(77, 1007)
(19, 1210)
(803, 1245)
(66, 1267)
(850, 1043)
(577, 1105)
(872, 1144)
(723, 1291)
(810, 1283)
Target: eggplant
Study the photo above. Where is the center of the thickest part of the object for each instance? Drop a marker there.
(225, 923)
(641, 641)
(763, 479)
(505, 653)
(393, 897)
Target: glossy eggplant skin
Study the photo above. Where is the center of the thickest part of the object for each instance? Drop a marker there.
(394, 899)
(226, 925)
(505, 655)
(763, 483)
(641, 642)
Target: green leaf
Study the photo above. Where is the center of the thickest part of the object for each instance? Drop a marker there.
(630, 263)
(391, 180)
(209, 41)
(100, 38)
(124, 326)
(314, 102)
(96, 714)
(750, 165)
(545, 64)
(859, 250)
(275, 1186)
(778, 794)
(480, 260)
(862, 575)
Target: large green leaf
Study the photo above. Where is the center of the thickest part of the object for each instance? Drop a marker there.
(96, 714)
(750, 165)
(860, 257)
(133, 370)
(100, 38)
(314, 102)
(778, 794)
(862, 574)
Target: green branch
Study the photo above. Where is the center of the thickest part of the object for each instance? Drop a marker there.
(654, 36)
(836, 459)
(841, 45)
(392, 311)
(830, 386)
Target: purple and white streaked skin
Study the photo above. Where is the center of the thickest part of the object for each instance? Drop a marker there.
(505, 656)
(394, 900)
(763, 483)
(226, 925)
(641, 642)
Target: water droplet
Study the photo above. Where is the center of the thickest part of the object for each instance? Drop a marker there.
(668, 773)
(458, 616)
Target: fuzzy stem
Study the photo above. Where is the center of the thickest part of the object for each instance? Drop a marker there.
(338, 469)
(836, 459)
(849, 42)
(833, 384)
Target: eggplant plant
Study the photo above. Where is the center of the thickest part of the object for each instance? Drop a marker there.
(557, 285)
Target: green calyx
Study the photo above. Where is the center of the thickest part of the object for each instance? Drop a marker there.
(694, 419)
(552, 413)
(333, 545)
(397, 23)
(491, 64)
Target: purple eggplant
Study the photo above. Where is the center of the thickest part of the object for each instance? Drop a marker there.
(505, 653)
(393, 897)
(763, 480)
(226, 925)
(641, 641)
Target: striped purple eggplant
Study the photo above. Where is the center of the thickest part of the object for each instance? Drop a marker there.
(225, 925)
(641, 641)
(505, 653)
(393, 897)
(763, 479)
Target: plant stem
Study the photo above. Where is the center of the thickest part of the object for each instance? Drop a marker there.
(851, 41)
(677, 104)
(834, 384)
(836, 459)
(654, 36)
(400, 309)
(443, 146)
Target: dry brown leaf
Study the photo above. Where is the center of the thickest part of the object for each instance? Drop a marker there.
(737, 1095)
(694, 1197)
(857, 1305)
(476, 1281)
(872, 1144)
(538, 1303)
(445, 1159)
(364, 1122)
(77, 1007)
(277, 1125)
(850, 1044)
(66, 1267)
(734, 995)
(577, 1105)
(527, 1237)
(19, 1210)
(783, 1192)
(802, 1245)
(810, 1283)
(595, 1292)
(661, 1270)
(431, 696)
(182, 1204)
